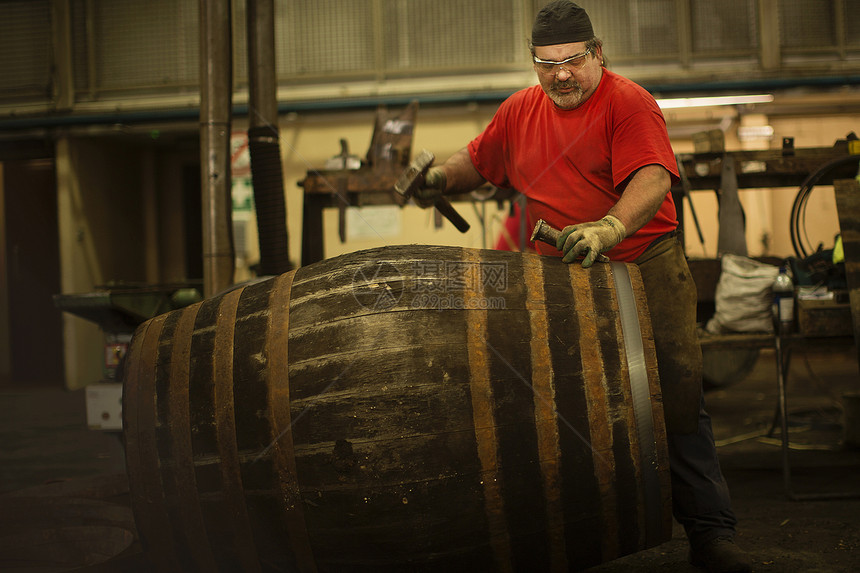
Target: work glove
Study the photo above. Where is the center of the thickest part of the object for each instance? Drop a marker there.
(435, 182)
(590, 239)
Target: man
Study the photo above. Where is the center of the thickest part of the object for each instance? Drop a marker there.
(590, 151)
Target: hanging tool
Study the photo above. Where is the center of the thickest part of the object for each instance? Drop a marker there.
(685, 186)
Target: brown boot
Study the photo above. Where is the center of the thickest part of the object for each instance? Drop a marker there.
(721, 555)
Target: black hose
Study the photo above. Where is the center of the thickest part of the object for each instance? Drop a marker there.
(798, 209)
(268, 180)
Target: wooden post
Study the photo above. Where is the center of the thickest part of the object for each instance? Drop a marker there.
(768, 21)
(848, 207)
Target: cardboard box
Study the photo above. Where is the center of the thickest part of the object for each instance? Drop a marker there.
(824, 318)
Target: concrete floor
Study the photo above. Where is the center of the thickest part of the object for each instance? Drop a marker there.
(50, 463)
(780, 534)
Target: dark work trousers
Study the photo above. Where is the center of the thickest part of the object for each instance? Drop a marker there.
(700, 497)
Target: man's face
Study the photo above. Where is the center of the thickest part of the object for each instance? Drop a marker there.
(570, 84)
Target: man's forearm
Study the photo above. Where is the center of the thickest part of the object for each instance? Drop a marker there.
(642, 197)
(461, 173)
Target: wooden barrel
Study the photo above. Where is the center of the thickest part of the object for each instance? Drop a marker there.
(408, 408)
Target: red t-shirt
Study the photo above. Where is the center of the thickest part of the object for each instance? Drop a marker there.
(569, 163)
(509, 238)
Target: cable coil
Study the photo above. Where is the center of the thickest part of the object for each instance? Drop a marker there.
(797, 221)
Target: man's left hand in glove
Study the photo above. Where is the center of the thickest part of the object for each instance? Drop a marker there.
(590, 239)
(434, 186)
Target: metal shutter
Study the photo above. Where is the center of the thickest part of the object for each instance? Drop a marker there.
(25, 50)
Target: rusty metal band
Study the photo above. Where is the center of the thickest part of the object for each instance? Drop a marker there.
(641, 394)
(546, 419)
(225, 423)
(282, 447)
(190, 512)
(484, 422)
(131, 426)
(154, 521)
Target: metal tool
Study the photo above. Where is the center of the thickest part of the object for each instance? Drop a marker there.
(544, 232)
(413, 177)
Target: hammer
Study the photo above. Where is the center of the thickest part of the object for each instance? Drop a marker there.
(413, 177)
(543, 231)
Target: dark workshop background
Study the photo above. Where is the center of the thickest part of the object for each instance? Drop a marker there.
(99, 136)
(100, 190)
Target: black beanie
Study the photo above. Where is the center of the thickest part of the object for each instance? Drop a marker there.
(561, 22)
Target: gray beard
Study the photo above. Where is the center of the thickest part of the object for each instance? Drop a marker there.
(568, 100)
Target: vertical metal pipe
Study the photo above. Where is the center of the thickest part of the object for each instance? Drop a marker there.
(264, 140)
(262, 88)
(216, 100)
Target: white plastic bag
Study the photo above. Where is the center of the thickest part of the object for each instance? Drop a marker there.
(743, 296)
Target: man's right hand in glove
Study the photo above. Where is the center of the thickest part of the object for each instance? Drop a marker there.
(590, 239)
(435, 182)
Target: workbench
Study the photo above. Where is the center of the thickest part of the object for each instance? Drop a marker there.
(832, 330)
(358, 188)
(370, 181)
(725, 172)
